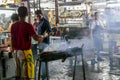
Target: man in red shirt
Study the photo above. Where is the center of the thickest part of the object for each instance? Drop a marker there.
(21, 33)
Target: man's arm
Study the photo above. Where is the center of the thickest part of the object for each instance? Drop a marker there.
(38, 38)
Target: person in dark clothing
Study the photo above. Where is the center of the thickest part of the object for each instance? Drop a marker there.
(43, 26)
(43, 29)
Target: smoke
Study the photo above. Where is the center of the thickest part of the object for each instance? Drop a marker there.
(73, 46)
(112, 19)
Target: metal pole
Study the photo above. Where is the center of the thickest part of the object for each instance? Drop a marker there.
(39, 70)
(47, 71)
(56, 11)
(34, 5)
(29, 14)
(83, 64)
(39, 4)
(74, 67)
(65, 11)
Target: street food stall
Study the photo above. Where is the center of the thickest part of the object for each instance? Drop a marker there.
(73, 33)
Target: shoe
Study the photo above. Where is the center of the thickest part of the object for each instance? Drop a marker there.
(99, 59)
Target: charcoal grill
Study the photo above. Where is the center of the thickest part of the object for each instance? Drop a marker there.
(56, 55)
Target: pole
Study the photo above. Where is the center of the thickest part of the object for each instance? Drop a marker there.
(74, 67)
(39, 4)
(34, 5)
(64, 11)
(83, 64)
(29, 14)
(56, 11)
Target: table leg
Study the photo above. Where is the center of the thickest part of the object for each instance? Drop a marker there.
(74, 67)
(39, 70)
(47, 71)
(83, 66)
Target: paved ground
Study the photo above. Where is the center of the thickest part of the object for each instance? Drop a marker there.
(101, 71)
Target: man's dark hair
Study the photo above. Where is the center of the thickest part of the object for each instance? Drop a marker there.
(14, 17)
(38, 12)
(22, 11)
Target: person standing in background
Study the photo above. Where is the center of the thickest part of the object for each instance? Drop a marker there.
(14, 18)
(35, 24)
(21, 33)
(43, 29)
(97, 28)
(35, 43)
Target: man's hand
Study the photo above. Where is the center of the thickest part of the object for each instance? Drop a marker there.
(41, 37)
(45, 35)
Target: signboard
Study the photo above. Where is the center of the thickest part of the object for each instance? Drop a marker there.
(6, 1)
(18, 2)
(76, 7)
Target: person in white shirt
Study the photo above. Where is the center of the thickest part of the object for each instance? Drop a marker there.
(97, 28)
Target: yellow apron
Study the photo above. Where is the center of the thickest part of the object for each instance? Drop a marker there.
(24, 63)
